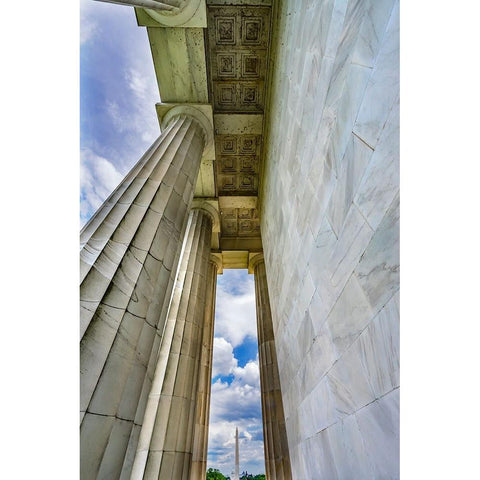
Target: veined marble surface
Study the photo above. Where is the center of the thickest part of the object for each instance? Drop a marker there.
(330, 229)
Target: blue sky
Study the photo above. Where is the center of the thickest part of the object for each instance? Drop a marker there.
(118, 92)
(235, 400)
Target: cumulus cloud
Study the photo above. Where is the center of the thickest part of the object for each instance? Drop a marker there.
(224, 362)
(98, 178)
(236, 400)
(235, 309)
(249, 374)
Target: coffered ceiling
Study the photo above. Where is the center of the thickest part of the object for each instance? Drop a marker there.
(238, 38)
(221, 59)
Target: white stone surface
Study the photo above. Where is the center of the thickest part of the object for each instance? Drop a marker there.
(380, 182)
(166, 440)
(383, 86)
(378, 271)
(329, 221)
(357, 157)
(379, 427)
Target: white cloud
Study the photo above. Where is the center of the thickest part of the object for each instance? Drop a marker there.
(119, 120)
(235, 313)
(222, 446)
(98, 178)
(237, 404)
(142, 118)
(236, 400)
(120, 73)
(137, 82)
(224, 362)
(88, 31)
(89, 26)
(249, 374)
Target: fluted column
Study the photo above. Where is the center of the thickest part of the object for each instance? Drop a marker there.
(129, 260)
(166, 439)
(200, 442)
(277, 459)
(154, 4)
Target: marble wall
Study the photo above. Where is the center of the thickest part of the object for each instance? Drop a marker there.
(330, 229)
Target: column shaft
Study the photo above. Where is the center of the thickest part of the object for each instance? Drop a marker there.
(129, 260)
(200, 444)
(166, 439)
(277, 459)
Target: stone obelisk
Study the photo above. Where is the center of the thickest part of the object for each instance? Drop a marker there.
(237, 475)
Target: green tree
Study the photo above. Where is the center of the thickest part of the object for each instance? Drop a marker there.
(249, 476)
(214, 474)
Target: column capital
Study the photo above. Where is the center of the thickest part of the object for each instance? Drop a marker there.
(216, 258)
(167, 5)
(188, 13)
(253, 260)
(209, 206)
(201, 112)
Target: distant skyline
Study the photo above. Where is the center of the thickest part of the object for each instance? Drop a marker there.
(118, 93)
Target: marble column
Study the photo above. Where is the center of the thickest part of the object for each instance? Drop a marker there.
(129, 260)
(166, 440)
(154, 4)
(277, 459)
(202, 415)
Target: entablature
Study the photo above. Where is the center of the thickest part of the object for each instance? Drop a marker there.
(218, 60)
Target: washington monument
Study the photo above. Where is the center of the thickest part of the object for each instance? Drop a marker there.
(236, 475)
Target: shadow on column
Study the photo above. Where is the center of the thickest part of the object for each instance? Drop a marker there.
(277, 459)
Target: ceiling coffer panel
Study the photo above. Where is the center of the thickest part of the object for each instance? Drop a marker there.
(238, 39)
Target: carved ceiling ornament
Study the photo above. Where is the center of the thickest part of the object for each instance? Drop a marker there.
(238, 49)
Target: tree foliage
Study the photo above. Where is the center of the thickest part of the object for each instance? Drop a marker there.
(249, 476)
(214, 474)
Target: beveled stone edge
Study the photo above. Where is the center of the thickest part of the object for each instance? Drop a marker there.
(202, 112)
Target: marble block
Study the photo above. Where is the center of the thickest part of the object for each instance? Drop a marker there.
(379, 427)
(381, 180)
(383, 86)
(356, 158)
(348, 450)
(378, 271)
(350, 315)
